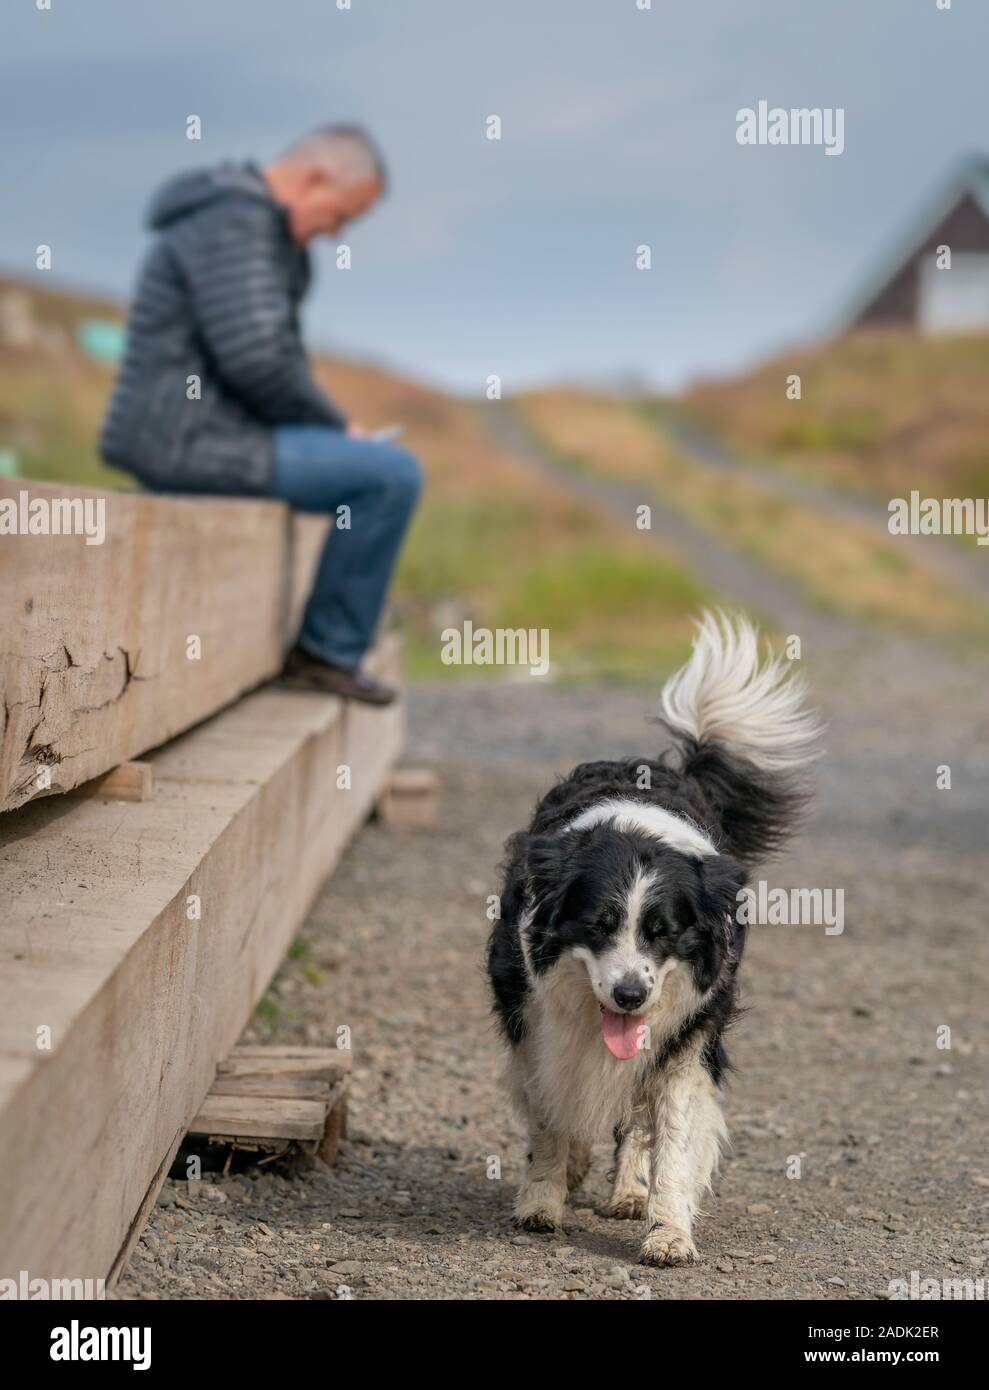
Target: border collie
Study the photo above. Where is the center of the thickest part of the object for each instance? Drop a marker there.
(614, 960)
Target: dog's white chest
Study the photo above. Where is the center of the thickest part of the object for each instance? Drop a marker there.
(578, 1085)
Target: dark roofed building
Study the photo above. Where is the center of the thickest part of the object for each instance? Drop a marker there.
(920, 294)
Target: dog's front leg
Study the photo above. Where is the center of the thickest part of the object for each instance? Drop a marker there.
(542, 1197)
(633, 1158)
(686, 1135)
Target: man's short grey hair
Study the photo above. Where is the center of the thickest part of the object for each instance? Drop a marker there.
(347, 148)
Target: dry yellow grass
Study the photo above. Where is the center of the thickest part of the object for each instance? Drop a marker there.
(880, 412)
(841, 564)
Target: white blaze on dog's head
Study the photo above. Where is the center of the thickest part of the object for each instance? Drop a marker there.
(626, 980)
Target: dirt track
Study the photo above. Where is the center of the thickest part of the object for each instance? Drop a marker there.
(837, 1058)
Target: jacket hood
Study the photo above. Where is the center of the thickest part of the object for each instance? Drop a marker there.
(187, 193)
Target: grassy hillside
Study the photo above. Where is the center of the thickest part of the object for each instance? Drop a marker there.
(51, 396)
(848, 567)
(880, 413)
(492, 541)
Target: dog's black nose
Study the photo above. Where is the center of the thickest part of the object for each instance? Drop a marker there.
(629, 994)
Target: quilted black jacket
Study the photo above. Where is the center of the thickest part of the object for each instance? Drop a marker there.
(214, 357)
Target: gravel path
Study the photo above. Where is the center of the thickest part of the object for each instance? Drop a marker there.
(837, 1058)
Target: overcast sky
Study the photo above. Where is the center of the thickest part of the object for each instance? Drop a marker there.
(513, 256)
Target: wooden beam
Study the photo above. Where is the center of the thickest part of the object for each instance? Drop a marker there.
(111, 649)
(271, 1087)
(128, 782)
(248, 1059)
(135, 942)
(410, 801)
(260, 1117)
(334, 1130)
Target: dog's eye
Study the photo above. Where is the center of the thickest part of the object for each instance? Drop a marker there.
(654, 926)
(591, 933)
(578, 932)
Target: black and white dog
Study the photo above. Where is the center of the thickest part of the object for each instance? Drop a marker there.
(613, 963)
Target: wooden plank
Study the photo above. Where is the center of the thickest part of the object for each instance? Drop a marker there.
(273, 1087)
(260, 1117)
(111, 649)
(139, 1000)
(326, 1063)
(411, 799)
(413, 781)
(128, 782)
(334, 1129)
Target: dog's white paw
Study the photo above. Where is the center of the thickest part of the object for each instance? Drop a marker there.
(539, 1208)
(627, 1206)
(545, 1223)
(667, 1245)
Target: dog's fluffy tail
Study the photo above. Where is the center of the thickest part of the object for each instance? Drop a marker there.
(746, 735)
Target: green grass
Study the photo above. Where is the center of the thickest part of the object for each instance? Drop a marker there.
(615, 611)
(50, 413)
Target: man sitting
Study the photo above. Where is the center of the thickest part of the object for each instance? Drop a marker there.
(215, 394)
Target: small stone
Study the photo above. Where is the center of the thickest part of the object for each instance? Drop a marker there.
(758, 1209)
(725, 1266)
(574, 1286)
(764, 1260)
(521, 1240)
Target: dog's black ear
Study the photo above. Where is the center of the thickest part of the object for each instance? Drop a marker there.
(547, 860)
(720, 879)
(552, 876)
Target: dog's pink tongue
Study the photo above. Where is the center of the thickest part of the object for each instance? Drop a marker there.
(621, 1034)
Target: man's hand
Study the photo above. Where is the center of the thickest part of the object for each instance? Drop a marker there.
(356, 431)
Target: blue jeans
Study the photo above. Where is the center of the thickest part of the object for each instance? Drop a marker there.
(324, 470)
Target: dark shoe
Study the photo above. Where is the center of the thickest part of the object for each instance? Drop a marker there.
(305, 672)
